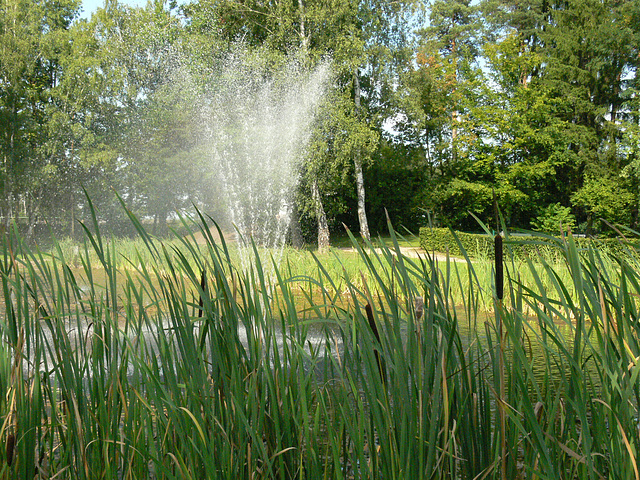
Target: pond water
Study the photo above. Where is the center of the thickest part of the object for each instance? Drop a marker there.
(478, 333)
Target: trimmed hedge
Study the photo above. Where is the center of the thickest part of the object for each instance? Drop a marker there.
(481, 245)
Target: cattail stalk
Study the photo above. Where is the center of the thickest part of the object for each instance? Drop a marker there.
(203, 285)
(376, 352)
(499, 268)
(11, 443)
(499, 281)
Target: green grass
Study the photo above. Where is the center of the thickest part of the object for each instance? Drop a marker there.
(117, 361)
(406, 239)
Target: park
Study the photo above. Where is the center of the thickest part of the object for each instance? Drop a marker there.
(303, 240)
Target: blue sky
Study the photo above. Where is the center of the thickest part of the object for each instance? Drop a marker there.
(89, 6)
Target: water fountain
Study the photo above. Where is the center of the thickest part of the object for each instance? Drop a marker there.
(259, 121)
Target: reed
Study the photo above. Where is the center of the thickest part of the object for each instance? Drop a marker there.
(141, 366)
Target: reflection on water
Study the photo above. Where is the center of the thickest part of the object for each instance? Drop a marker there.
(542, 345)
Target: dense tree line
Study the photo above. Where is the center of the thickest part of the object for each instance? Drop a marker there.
(439, 109)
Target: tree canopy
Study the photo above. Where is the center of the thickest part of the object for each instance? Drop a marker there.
(436, 109)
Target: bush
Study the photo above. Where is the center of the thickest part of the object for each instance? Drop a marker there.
(443, 240)
(554, 217)
(481, 245)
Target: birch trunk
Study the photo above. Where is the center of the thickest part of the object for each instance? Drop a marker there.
(294, 227)
(321, 216)
(294, 222)
(304, 40)
(8, 168)
(73, 215)
(32, 217)
(357, 163)
(454, 113)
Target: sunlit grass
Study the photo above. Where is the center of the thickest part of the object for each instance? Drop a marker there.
(342, 263)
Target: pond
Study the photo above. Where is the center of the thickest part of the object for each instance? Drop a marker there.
(541, 347)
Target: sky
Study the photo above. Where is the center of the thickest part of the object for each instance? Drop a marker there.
(90, 6)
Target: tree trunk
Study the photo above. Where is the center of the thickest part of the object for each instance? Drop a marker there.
(32, 218)
(454, 113)
(73, 215)
(357, 162)
(304, 40)
(321, 216)
(30, 212)
(163, 228)
(362, 214)
(8, 167)
(294, 227)
(9, 217)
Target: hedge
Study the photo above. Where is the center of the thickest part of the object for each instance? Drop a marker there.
(481, 245)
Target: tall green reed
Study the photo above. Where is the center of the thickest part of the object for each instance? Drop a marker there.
(133, 367)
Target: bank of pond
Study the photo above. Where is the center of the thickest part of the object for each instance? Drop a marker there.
(176, 360)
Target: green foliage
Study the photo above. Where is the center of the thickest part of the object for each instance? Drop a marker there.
(455, 199)
(394, 181)
(443, 240)
(36, 138)
(459, 244)
(536, 102)
(605, 198)
(554, 219)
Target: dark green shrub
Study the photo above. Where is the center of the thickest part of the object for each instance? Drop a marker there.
(443, 240)
(553, 218)
(481, 245)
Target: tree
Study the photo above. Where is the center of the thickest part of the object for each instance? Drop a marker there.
(167, 171)
(338, 136)
(353, 32)
(555, 218)
(440, 108)
(145, 109)
(564, 71)
(450, 39)
(604, 198)
(34, 43)
(523, 137)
